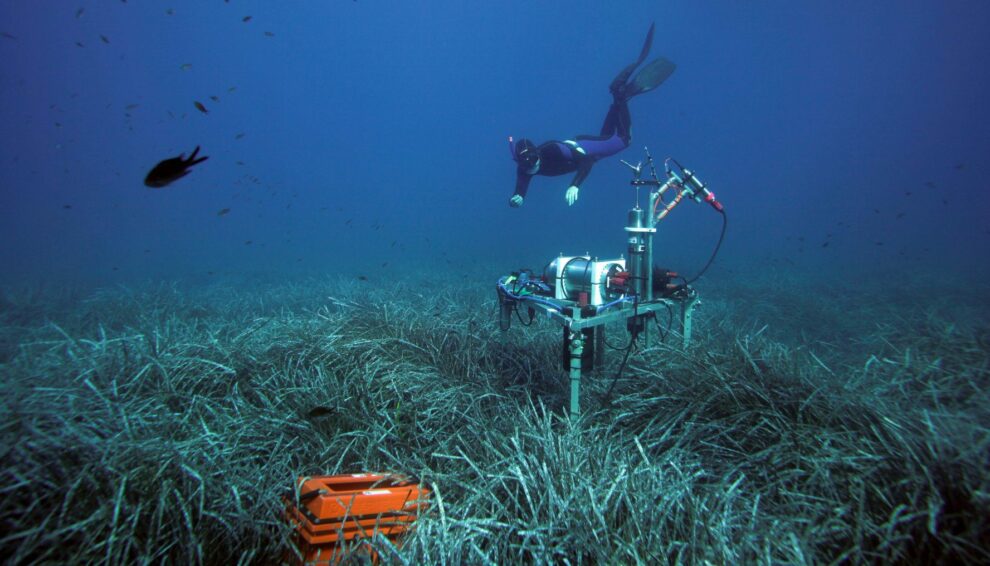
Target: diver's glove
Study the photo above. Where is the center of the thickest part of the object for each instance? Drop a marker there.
(572, 195)
(516, 201)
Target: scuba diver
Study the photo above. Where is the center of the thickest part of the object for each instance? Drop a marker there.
(554, 158)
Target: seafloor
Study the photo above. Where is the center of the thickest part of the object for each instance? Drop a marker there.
(806, 423)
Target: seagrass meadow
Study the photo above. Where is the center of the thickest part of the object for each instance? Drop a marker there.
(804, 424)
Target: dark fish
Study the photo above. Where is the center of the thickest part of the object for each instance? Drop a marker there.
(67, 206)
(384, 264)
(930, 184)
(246, 19)
(199, 106)
(945, 201)
(171, 170)
(147, 251)
(825, 244)
(319, 412)
(876, 210)
(348, 223)
(7, 35)
(907, 193)
(214, 99)
(232, 89)
(247, 242)
(80, 12)
(900, 215)
(362, 278)
(185, 66)
(878, 243)
(239, 136)
(104, 39)
(115, 268)
(170, 12)
(960, 166)
(269, 34)
(79, 44)
(223, 212)
(131, 106)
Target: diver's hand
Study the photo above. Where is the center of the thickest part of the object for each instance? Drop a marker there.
(572, 195)
(516, 201)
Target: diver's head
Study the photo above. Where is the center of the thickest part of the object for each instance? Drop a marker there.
(524, 152)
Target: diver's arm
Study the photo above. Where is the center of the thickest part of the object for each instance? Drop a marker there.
(584, 168)
(522, 183)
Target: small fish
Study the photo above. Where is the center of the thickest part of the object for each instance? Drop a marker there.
(199, 106)
(147, 251)
(79, 44)
(170, 12)
(185, 66)
(67, 206)
(246, 19)
(104, 39)
(316, 412)
(240, 163)
(214, 98)
(878, 243)
(825, 244)
(7, 35)
(232, 89)
(362, 278)
(115, 268)
(131, 106)
(171, 170)
(247, 242)
(348, 223)
(876, 210)
(907, 193)
(960, 166)
(223, 212)
(269, 34)
(239, 136)
(900, 215)
(384, 264)
(80, 12)
(945, 201)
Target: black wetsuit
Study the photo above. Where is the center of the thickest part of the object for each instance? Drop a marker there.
(562, 157)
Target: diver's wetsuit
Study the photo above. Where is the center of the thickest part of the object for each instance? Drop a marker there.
(560, 158)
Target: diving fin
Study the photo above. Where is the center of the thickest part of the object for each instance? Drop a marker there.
(650, 77)
(619, 82)
(646, 45)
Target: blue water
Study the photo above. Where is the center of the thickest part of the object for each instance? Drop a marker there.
(864, 125)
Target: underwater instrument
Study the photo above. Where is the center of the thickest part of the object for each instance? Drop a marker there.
(583, 293)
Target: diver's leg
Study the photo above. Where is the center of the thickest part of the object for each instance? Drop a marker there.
(618, 121)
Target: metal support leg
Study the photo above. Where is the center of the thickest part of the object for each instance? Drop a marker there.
(599, 348)
(577, 348)
(687, 310)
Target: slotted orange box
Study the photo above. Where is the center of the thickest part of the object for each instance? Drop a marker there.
(329, 512)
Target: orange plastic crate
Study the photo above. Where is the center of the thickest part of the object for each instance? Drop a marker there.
(330, 513)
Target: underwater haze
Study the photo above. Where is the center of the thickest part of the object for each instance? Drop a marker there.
(248, 242)
(340, 128)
